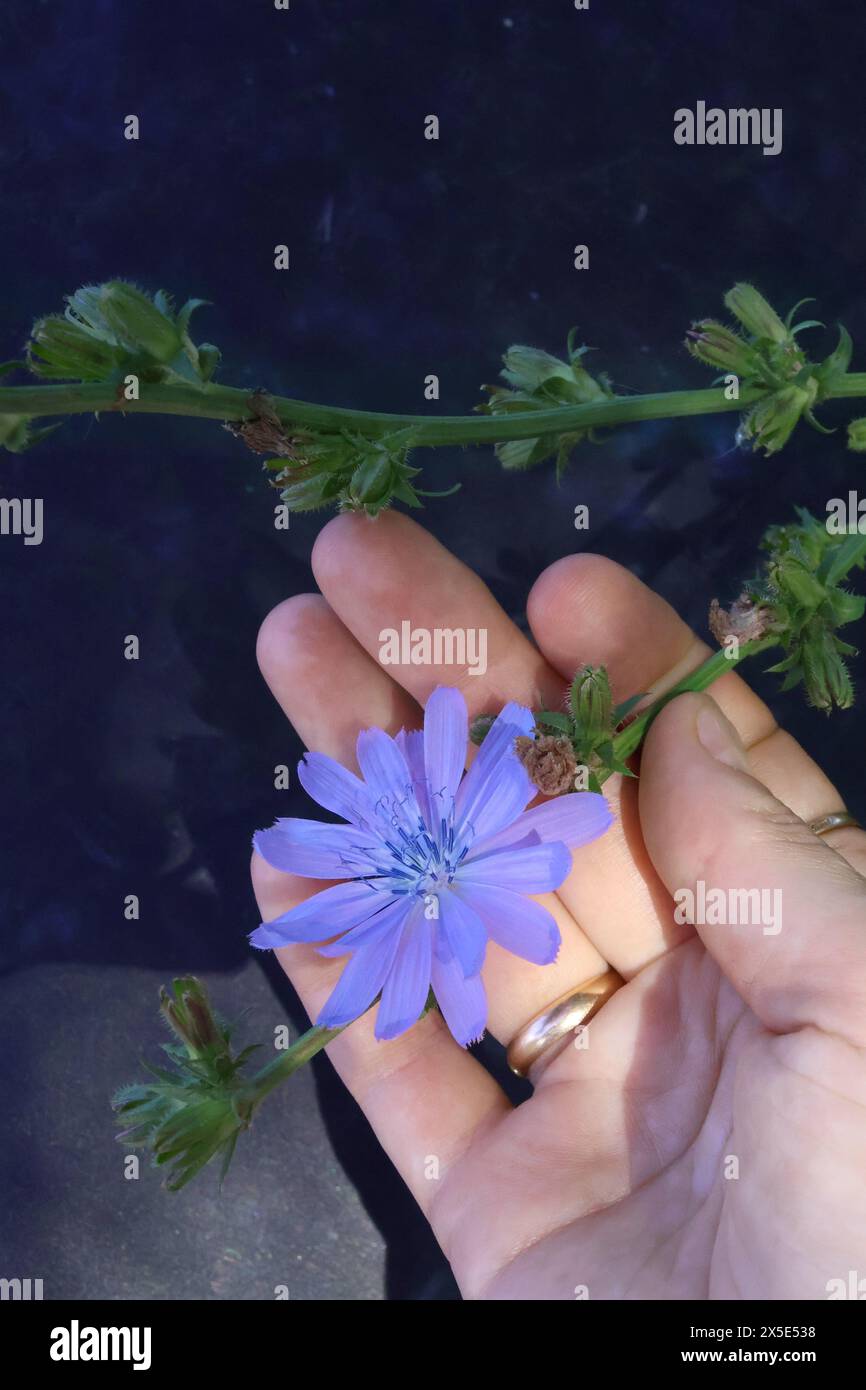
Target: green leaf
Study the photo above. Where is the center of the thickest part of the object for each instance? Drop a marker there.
(187, 312)
(208, 360)
(839, 360)
(372, 479)
(842, 558)
(809, 416)
(626, 707)
(17, 434)
(445, 492)
(810, 299)
(334, 485)
(405, 492)
(846, 608)
(553, 720)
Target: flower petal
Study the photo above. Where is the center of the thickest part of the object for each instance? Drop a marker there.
(474, 794)
(393, 913)
(463, 1002)
(411, 745)
(574, 820)
(526, 869)
(518, 924)
(360, 982)
(446, 732)
(405, 991)
(388, 779)
(464, 933)
(507, 792)
(315, 849)
(335, 787)
(323, 915)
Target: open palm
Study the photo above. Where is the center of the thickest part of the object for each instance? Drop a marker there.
(705, 1137)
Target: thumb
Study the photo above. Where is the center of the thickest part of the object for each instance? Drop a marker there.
(782, 914)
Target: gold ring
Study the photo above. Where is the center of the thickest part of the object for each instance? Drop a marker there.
(837, 820)
(563, 1016)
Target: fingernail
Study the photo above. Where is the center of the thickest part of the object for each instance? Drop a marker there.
(720, 738)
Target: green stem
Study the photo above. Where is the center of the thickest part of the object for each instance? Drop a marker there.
(852, 384)
(282, 1067)
(216, 402)
(213, 402)
(719, 664)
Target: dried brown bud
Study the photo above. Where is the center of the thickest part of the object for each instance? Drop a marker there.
(550, 762)
(745, 620)
(264, 433)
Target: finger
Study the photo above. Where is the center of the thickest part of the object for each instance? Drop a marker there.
(783, 914)
(424, 1096)
(588, 610)
(787, 770)
(376, 577)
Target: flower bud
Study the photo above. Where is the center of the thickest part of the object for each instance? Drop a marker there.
(591, 704)
(540, 381)
(306, 489)
(825, 674)
(208, 360)
(517, 454)
(797, 584)
(528, 368)
(14, 433)
(804, 582)
(136, 322)
(720, 347)
(757, 316)
(857, 435)
(114, 328)
(770, 424)
(188, 1011)
(320, 469)
(588, 389)
(63, 351)
(196, 1132)
(371, 480)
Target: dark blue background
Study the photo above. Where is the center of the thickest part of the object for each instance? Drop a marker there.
(408, 257)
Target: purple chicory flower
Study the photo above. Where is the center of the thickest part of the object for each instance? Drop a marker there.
(433, 866)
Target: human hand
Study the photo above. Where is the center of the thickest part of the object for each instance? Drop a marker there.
(709, 1141)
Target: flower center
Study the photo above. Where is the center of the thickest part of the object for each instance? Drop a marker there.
(421, 863)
